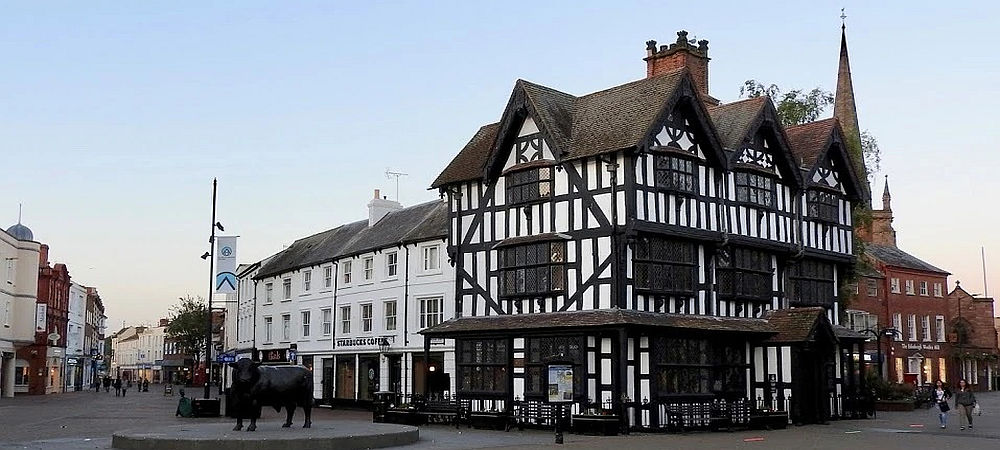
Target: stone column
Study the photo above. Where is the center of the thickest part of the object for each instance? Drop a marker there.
(8, 361)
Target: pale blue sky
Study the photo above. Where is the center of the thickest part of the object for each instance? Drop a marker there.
(116, 115)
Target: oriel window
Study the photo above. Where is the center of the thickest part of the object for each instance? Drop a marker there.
(529, 185)
(744, 274)
(813, 284)
(755, 189)
(533, 269)
(676, 174)
(665, 265)
(824, 206)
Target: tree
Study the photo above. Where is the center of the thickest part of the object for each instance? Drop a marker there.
(187, 325)
(797, 107)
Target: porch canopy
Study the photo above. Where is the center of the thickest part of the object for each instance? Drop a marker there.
(800, 325)
(597, 318)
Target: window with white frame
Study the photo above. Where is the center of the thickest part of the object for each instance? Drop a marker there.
(909, 288)
(327, 321)
(430, 312)
(366, 317)
(939, 321)
(306, 316)
(894, 285)
(267, 329)
(937, 290)
(390, 315)
(286, 289)
(286, 327)
(328, 276)
(268, 292)
(925, 327)
(911, 325)
(307, 280)
(345, 267)
(897, 324)
(369, 265)
(345, 319)
(872, 287)
(391, 264)
(913, 365)
(432, 258)
(923, 288)
(970, 371)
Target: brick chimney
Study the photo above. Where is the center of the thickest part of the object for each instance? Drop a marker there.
(379, 207)
(679, 54)
(164, 322)
(43, 255)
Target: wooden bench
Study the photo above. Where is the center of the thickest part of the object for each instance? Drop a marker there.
(605, 425)
(494, 420)
(448, 411)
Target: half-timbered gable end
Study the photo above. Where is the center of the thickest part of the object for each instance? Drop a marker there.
(647, 235)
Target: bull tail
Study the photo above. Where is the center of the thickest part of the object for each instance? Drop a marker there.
(277, 408)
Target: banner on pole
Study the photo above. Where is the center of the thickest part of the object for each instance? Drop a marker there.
(225, 265)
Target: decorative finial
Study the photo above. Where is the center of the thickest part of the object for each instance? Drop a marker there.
(19, 213)
(843, 19)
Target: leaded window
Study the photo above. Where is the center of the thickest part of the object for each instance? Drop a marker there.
(824, 205)
(744, 274)
(533, 269)
(812, 283)
(676, 174)
(755, 189)
(687, 366)
(541, 351)
(665, 265)
(529, 185)
(482, 366)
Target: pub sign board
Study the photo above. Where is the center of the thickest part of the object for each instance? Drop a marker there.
(276, 356)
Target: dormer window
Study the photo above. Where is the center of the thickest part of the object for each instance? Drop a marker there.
(824, 206)
(755, 189)
(529, 185)
(676, 174)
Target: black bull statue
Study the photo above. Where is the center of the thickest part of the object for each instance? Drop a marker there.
(255, 386)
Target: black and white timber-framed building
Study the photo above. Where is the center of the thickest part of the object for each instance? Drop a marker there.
(675, 250)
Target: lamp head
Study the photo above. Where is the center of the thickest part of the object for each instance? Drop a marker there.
(219, 226)
(206, 255)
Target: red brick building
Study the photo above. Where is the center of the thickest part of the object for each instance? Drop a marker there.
(974, 339)
(901, 293)
(46, 356)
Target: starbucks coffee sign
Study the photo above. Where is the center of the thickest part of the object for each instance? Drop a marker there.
(374, 341)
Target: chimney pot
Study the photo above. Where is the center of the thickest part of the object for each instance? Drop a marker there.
(377, 194)
(650, 47)
(681, 54)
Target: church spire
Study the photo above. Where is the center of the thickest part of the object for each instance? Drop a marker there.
(845, 110)
(886, 197)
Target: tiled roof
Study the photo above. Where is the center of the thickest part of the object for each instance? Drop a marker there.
(893, 256)
(603, 121)
(595, 318)
(732, 120)
(795, 324)
(415, 223)
(808, 141)
(470, 163)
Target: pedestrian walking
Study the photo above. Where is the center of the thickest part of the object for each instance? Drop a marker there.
(126, 386)
(145, 385)
(107, 384)
(965, 400)
(941, 396)
(118, 387)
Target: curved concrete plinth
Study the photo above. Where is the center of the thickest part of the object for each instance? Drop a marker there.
(341, 435)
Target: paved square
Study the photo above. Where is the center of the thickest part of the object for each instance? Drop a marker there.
(86, 420)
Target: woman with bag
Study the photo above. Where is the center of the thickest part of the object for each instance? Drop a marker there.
(941, 396)
(964, 401)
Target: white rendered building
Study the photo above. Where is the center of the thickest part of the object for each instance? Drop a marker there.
(350, 301)
(77, 360)
(18, 295)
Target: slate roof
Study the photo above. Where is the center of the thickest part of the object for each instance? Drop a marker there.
(808, 141)
(594, 318)
(415, 223)
(603, 121)
(732, 120)
(892, 256)
(794, 324)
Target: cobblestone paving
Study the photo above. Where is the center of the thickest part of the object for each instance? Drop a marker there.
(86, 420)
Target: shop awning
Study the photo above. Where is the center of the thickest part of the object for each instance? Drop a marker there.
(595, 319)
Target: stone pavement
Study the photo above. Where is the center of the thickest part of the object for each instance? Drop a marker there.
(86, 420)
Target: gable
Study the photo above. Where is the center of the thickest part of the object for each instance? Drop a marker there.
(832, 168)
(679, 133)
(530, 145)
(684, 124)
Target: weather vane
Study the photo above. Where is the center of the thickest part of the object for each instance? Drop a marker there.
(843, 17)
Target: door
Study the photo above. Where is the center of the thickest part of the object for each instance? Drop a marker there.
(327, 380)
(395, 373)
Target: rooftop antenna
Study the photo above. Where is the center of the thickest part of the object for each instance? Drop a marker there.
(389, 174)
(19, 206)
(986, 290)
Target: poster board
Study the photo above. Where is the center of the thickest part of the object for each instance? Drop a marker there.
(560, 383)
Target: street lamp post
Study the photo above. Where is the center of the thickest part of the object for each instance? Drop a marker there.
(210, 255)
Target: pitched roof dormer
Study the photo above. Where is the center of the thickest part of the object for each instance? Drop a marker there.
(821, 150)
(752, 131)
